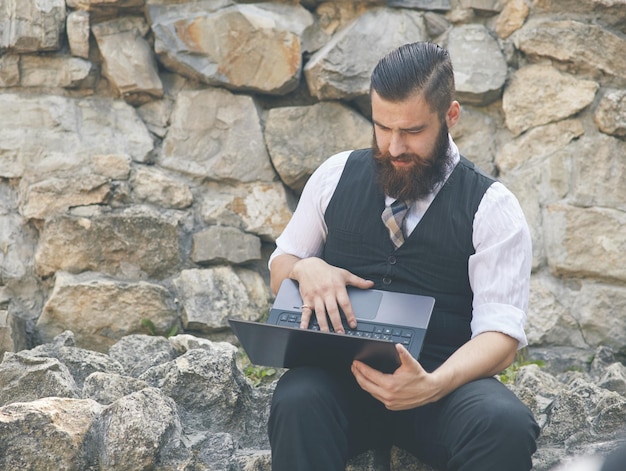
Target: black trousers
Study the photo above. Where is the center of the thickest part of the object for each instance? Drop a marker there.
(320, 419)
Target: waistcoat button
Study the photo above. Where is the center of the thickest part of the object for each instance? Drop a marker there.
(386, 280)
(392, 260)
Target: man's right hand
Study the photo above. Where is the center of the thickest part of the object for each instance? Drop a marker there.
(322, 287)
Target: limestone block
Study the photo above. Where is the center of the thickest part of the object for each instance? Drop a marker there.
(137, 430)
(538, 144)
(610, 114)
(550, 321)
(31, 25)
(342, 68)
(156, 187)
(48, 135)
(244, 47)
(129, 245)
(114, 166)
(337, 128)
(586, 47)
(217, 135)
(599, 309)
(439, 5)
(55, 196)
(100, 311)
(210, 296)
(225, 244)
(12, 333)
(512, 17)
(129, 61)
(599, 172)
(488, 6)
(16, 247)
(53, 71)
(9, 70)
(95, 4)
(156, 114)
(474, 136)
(555, 96)
(78, 33)
(48, 433)
(585, 241)
(479, 65)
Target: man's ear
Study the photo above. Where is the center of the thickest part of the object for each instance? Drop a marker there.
(453, 114)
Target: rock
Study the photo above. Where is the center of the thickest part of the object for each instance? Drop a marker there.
(138, 353)
(81, 363)
(129, 61)
(556, 96)
(610, 114)
(258, 208)
(473, 136)
(342, 68)
(78, 33)
(132, 245)
(584, 47)
(440, 5)
(223, 244)
(512, 17)
(51, 71)
(137, 431)
(84, 303)
(31, 25)
(154, 186)
(338, 128)
(201, 381)
(469, 45)
(209, 130)
(242, 47)
(13, 336)
(577, 243)
(9, 70)
(209, 297)
(48, 433)
(40, 136)
(106, 388)
(27, 378)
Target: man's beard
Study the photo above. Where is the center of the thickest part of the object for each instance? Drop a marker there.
(419, 179)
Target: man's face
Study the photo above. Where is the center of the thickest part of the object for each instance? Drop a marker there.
(410, 146)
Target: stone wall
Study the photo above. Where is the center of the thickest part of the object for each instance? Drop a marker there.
(151, 151)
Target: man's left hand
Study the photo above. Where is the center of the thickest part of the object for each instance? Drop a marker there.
(408, 387)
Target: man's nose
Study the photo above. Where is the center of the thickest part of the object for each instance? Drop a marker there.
(396, 144)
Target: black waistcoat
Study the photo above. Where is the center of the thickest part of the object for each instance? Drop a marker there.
(433, 260)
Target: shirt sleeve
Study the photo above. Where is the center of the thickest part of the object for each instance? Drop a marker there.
(305, 233)
(499, 271)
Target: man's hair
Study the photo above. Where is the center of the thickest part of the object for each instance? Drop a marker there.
(414, 68)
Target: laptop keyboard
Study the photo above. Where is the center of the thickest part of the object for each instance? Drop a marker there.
(364, 329)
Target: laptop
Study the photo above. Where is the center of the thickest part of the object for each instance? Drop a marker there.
(384, 318)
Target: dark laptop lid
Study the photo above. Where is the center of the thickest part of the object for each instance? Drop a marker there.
(275, 345)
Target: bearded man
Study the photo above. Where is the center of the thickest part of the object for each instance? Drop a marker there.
(459, 237)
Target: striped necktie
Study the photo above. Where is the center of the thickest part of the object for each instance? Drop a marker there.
(393, 217)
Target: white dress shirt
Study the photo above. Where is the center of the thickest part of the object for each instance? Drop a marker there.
(499, 270)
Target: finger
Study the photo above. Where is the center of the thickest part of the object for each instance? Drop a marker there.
(305, 317)
(334, 315)
(320, 314)
(344, 303)
(406, 359)
(359, 282)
